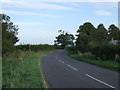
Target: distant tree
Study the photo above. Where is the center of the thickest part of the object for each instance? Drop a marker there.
(85, 36)
(82, 42)
(87, 28)
(101, 33)
(64, 39)
(114, 32)
(9, 32)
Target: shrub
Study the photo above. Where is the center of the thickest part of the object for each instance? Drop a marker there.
(106, 52)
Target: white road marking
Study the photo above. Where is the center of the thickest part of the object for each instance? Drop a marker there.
(71, 67)
(100, 81)
(57, 58)
(62, 61)
(44, 79)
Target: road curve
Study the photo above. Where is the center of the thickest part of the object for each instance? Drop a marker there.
(61, 71)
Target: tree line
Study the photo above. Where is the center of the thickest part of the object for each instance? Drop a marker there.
(98, 40)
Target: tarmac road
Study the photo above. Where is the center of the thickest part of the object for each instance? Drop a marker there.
(61, 71)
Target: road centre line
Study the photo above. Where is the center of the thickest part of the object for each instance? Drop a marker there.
(71, 67)
(61, 61)
(100, 81)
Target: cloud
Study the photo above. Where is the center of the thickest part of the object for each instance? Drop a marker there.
(101, 0)
(103, 13)
(64, 0)
(34, 5)
(105, 5)
(28, 23)
(26, 13)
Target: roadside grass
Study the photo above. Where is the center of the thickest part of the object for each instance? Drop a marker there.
(102, 63)
(22, 69)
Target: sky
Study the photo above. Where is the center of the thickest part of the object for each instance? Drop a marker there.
(39, 21)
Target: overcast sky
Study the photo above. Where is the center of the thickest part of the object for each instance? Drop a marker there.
(40, 21)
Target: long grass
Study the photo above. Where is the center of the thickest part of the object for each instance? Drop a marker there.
(102, 63)
(22, 70)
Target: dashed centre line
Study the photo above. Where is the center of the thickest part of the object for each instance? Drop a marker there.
(100, 81)
(62, 61)
(71, 67)
(88, 75)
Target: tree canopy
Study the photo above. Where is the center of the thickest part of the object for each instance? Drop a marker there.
(114, 32)
(9, 33)
(88, 36)
(64, 39)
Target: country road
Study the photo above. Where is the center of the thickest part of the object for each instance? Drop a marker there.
(61, 71)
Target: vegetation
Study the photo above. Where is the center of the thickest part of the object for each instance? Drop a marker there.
(22, 70)
(96, 41)
(21, 63)
(29, 47)
(9, 34)
(63, 40)
(89, 58)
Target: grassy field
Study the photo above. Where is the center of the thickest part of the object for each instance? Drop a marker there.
(22, 70)
(102, 63)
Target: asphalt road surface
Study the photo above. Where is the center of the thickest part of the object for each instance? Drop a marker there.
(61, 71)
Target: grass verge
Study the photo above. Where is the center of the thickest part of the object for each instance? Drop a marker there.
(22, 70)
(102, 63)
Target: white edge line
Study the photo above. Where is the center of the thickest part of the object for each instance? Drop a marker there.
(43, 78)
(71, 67)
(100, 81)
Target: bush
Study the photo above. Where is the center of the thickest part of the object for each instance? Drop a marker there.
(106, 52)
(72, 49)
(28, 47)
(89, 55)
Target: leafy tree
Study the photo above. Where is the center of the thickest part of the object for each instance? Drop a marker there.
(101, 33)
(87, 28)
(64, 39)
(82, 42)
(9, 32)
(85, 36)
(114, 32)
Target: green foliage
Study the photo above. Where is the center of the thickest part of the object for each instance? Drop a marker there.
(39, 47)
(96, 41)
(82, 42)
(114, 32)
(72, 49)
(64, 39)
(106, 52)
(101, 33)
(85, 36)
(86, 28)
(9, 32)
(22, 69)
(89, 58)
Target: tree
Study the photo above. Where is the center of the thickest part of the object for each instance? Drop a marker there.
(114, 32)
(87, 28)
(9, 32)
(85, 36)
(64, 39)
(101, 33)
(82, 42)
